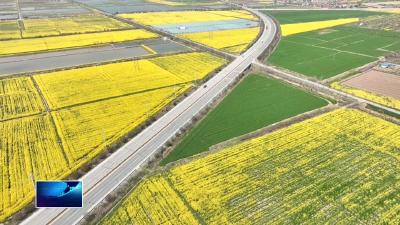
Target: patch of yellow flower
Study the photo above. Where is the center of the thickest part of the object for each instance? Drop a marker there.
(88, 84)
(19, 97)
(88, 129)
(296, 28)
(305, 173)
(90, 109)
(190, 66)
(29, 151)
(70, 25)
(162, 18)
(383, 100)
(233, 41)
(153, 202)
(71, 41)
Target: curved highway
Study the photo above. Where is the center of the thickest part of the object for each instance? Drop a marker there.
(105, 177)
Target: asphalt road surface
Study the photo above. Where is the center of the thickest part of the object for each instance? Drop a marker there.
(105, 177)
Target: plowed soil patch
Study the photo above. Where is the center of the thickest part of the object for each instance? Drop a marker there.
(378, 82)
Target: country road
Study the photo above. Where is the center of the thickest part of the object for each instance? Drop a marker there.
(105, 177)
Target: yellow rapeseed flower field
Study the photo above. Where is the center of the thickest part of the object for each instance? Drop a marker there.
(383, 100)
(234, 41)
(35, 147)
(295, 28)
(315, 171)
(19, 97)
(70, 25)
(195, 67)
(71, 41)
(153, 202)
(159, 18)
(77, 86)
(29, 150)
(88, 129)
(99, 106)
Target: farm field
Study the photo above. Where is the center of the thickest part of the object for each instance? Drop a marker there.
(301, 16)
(376, 81)
(233, 41)
(9, 29)
(70, 25)
(8, 10)
(328, 52)
(29, 150)
(340, 167)
(162, 18)
(22, 46)
(256, 102)
(50, 8)
(379, 87)
(81, 116)
(230, 31)
(77, 86)
(42, 27)
(19, 98)
(296, 28)
(88, 129)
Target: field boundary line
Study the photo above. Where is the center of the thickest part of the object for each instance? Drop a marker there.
(148, 49)
(383, 47)
(58, 133)
(325, 56)
(272, 127)
(310, 38)
(195, 214)
(121, 96)
(334, 49)
(44, 101)
(22, 117)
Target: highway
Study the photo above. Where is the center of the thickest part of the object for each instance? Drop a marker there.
(105, 177)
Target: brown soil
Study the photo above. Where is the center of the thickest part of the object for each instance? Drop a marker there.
(378, 82)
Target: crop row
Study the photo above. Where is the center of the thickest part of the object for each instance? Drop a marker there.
(340, 167)
(19, 97)
(29, 150)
